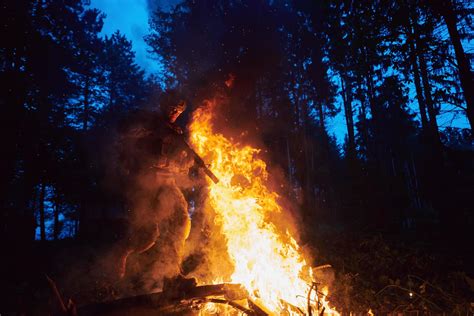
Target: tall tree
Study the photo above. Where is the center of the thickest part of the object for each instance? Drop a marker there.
(125, 84)
(450, 10)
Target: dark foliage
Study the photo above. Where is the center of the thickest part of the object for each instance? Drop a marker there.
(393, 68)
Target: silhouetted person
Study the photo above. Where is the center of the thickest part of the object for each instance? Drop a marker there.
(157, 166)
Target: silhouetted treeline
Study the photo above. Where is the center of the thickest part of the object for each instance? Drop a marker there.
(392, 68)
(63, 86)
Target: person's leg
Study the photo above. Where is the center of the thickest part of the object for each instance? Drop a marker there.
(140, 238)
(166, 255)
(180, 224)
(143, 230)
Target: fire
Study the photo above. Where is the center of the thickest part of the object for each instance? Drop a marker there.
(267, 262)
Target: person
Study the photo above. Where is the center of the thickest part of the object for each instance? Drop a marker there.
(157, 167)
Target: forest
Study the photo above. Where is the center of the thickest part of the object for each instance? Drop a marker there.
(390, 208)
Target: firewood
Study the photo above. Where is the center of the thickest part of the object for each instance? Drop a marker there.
(57, 295)
(165, 302)
(66, 310)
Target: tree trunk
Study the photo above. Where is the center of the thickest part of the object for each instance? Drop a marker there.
(56, 217)
(433, 124)
(413, 52)
(374, 151)
(419, 93)
(32, 213)
(416, 74)
(85, 119)
(322, 124)
(41, 211)
(369, 77)
(445, 8)
(297, 108)
(288, 157)
(371, 97)
(364, 133)
(308, 194)
(81, 225)
(348, 112)
(420, 49)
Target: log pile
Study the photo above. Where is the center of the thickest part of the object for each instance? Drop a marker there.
(179, 297)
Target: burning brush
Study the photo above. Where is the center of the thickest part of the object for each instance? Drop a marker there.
(269, 274)
(266, 259)
(182, 296)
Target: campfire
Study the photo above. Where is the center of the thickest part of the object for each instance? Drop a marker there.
(261, 269)
(267, 261)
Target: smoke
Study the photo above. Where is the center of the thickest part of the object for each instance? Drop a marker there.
(156, 213)
(147, 174)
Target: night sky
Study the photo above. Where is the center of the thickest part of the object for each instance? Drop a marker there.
(131, 18)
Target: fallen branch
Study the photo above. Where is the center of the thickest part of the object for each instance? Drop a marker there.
(70, 308)
(57, 295)
(324, 266)
(171, 302)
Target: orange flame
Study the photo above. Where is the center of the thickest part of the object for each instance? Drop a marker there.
(267, 262)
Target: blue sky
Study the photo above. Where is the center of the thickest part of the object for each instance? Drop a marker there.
(131, 18)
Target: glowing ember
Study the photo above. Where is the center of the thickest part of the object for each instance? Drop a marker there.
(267, 262)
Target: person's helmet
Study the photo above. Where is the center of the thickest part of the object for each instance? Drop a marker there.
(172, 105)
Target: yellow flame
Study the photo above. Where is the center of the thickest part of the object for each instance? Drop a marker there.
(267, 262)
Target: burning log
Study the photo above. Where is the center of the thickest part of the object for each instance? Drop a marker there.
(179, 295)
(265, 257)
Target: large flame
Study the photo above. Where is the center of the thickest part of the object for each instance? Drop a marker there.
(267, 261)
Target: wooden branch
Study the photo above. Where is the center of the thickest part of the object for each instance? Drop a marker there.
(69, 309)
(231, 303)
(57, 295)
(169, 301)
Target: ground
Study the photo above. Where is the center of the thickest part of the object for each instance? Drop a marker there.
(375, 271)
